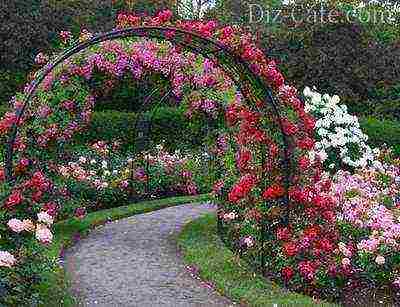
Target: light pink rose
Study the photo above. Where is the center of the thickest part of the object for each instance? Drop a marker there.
(380, 260)
(249, 241)
(43, 234)
(6, 259)
(44, 217)
(16, 225)
(345, 261)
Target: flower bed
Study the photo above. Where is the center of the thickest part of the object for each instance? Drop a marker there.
(101, 176)
(342, 243)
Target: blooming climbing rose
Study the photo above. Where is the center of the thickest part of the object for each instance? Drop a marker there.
(6, 259)
(44, 217)
(43, 234)
(28, 225)
(16, 225)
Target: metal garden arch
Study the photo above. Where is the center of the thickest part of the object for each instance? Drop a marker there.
(232, 64)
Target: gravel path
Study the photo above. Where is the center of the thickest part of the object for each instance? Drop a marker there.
(135, 262)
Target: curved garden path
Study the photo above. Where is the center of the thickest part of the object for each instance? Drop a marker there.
(135, 262)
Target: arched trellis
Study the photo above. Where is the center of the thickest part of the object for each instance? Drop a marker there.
(232, 64)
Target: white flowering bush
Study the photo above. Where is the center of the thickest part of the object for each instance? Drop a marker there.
(340, 142)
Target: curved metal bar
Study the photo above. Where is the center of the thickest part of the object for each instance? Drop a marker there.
(223, 53)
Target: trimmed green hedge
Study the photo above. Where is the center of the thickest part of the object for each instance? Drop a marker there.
(110, 126)
(169, 125)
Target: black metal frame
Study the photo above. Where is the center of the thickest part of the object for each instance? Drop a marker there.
(231, 63)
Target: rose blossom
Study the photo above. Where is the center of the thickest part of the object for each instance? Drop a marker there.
(6, 259)
(43, 234)
(16, 225)
(287, 273)
(14, 199)
(396, 282)
(28, 225)
(380, 260)
(248, 241)
(44, 217)
(345, 261)
(80, 213)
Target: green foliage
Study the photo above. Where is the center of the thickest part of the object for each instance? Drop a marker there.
(385, 132)
(110, 126)
(169, 126)
(10, 81)
(380, 109)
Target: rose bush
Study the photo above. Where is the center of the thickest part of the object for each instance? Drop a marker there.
(101, 176)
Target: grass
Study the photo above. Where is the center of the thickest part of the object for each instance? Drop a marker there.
(54, 288)
(231, 276)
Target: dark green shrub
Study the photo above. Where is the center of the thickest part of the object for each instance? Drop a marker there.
(171, 126)
(10, 81)
(380, 109)
(168, 125)
(110, 126)
(382, 132)
(357, 60)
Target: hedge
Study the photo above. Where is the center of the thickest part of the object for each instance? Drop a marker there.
(169, 125)
(382, 132)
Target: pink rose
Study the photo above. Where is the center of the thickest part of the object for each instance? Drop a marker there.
(6, 259)
(44, 217)
(346, 262)
(16, 225)
(380, 260)
(43, 234)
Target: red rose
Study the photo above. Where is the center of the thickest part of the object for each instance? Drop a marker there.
(290, 249)
(287, 273)
(283, 234)
(14, 199)
(244, 159)
(312, 232)
(37, 196)
(325, 245)
(306, 143)
(329, 216)
(80, 213)
(304, 163)
(307, 269)
(50, 208)
(274, 191)
(2, 176)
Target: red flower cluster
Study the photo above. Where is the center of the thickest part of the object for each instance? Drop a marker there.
(244, 159)
(273, 192)
(289, 128)
(287, 273)
(307, 269)
(7, 121)
(14, 199)
(290, 249)
(242, 188)
(283, 234)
